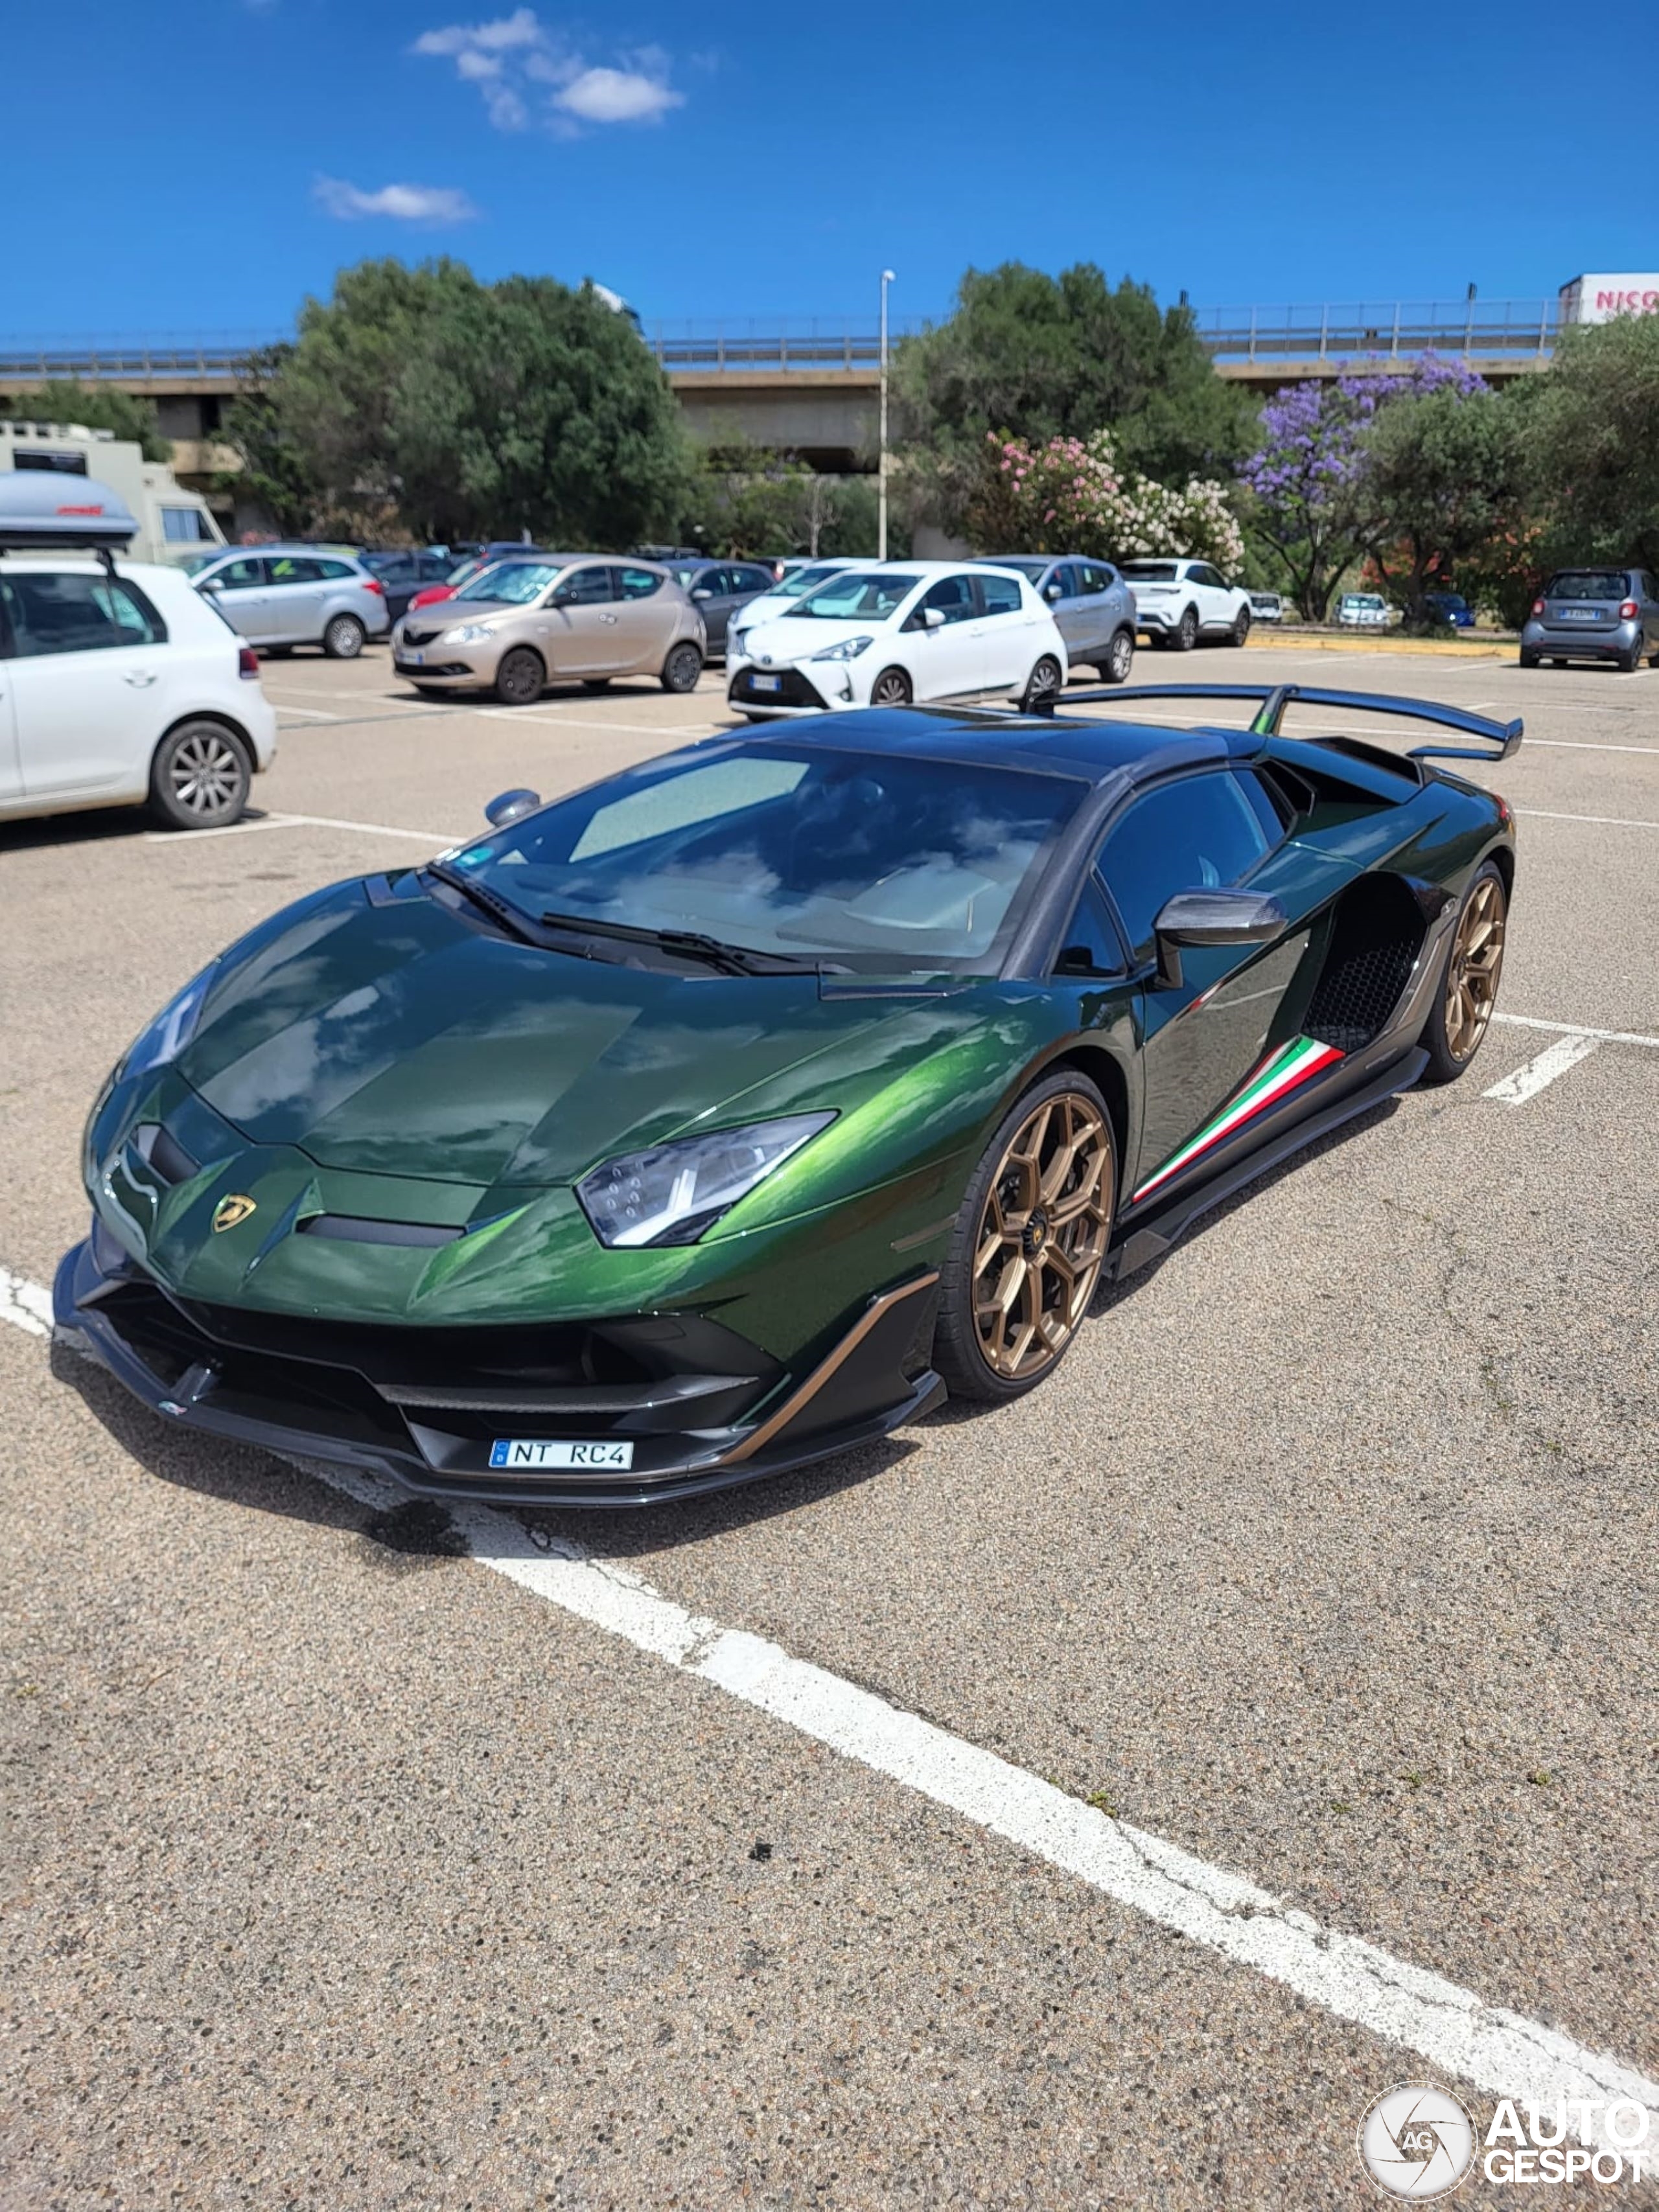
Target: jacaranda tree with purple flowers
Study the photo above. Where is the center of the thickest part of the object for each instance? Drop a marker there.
(1309, 471)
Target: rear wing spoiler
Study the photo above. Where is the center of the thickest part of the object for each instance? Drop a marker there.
(1501, 739)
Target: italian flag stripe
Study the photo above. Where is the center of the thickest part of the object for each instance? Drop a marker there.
(1279, 1073)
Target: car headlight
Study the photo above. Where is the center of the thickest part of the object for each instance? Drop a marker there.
(670, 1194)
(736, 644)
(165, 1037)
(467, 634)
(848, 649)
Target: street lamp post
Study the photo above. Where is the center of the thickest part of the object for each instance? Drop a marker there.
(881, 480)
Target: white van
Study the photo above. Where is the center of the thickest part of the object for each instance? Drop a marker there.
(172, 524)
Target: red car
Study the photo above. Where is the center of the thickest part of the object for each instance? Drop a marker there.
(508, 549)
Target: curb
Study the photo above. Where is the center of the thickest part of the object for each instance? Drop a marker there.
(1313, 642)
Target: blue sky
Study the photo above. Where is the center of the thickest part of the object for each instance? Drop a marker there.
(203, 164)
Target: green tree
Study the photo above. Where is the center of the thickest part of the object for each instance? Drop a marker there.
(420, 400)
(101, 407)
(747, 501)
(1444, 478)
(1593, 424)
(1047, 357)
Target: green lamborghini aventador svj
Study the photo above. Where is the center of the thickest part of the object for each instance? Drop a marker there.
(728, 1112)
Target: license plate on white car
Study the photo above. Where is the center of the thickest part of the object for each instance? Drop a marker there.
(533, 1452)
(767, 682)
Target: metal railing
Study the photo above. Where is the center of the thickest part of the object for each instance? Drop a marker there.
(1492, 329)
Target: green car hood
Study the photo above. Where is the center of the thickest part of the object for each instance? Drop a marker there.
(388, 1037)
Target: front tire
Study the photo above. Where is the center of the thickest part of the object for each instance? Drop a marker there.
(1044, 682)
(1241, 629)
(1186, 631)
(343, 637)
(1029, 1242)
(1468, 981)
(521, 678)
(200, 777)
(682, 668)
(1120, 658)
(890, 688)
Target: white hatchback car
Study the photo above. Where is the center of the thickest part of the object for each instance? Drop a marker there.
(798, 578)
(124, 688)
(881, 636)
(1179, 602)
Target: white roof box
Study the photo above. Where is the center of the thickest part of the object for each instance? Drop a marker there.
(49, 509)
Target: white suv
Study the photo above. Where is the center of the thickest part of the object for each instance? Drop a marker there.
(1179, 602)
(124, 687)
(881, 636)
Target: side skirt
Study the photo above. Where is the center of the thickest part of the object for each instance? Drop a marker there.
(1147, 1242)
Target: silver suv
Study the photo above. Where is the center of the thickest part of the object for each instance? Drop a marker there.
(280, 596)
(1092, 606)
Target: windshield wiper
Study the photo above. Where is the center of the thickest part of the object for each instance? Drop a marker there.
(498, 908)
(691, 943)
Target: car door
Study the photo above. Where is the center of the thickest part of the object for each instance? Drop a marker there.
(237, 588)
(578, 632)
(713, 598)
(1203, 1038)
(948, 657)
(295, 588)
(1008, 647)
(1061, 592)
(1208, 594)
(87, 680)
(647, 618)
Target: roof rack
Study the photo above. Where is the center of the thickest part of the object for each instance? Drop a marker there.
(1276, 697)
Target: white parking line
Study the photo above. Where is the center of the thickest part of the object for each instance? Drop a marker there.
(1599, 821)
(439, 837)
(1543, 1069)
(1450, 2027)
(312, 713)
(26, 1305)
(1578, 1028)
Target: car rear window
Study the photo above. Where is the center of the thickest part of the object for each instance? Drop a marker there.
(1150, 572)
(1587, 584)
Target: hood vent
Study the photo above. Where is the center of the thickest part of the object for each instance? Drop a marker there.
(161, 1151)
(355, 1229)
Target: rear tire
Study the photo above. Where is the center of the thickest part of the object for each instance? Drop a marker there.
(1120, 658)
(521, 678)
(1044, 682)
(200, 777)
(1530, 661)
(891, 689)
(1469, 978)
(343, 637)
(682, 668)
(1241, 629)
(1024, 1257)
(1630, 660)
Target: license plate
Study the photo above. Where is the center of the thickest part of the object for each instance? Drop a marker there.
(416, 659)
(767, 682)
(1581, 614)
(530, 1453)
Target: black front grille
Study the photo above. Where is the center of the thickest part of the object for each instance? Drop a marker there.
(418, 636)
(793, 689)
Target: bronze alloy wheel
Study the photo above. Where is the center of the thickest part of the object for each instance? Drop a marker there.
(1042, 1236)
(1472, 973)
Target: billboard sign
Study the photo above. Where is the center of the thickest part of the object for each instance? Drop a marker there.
(1598, 298)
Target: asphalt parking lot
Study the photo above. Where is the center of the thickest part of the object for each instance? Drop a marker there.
(804, 1846)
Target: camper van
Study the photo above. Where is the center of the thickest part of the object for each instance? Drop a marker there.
(173, 523)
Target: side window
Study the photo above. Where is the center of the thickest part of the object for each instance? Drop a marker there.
(751, 579)
(402, 572)
(1001, 595)
(294, 569)
(954, 598)
(1090, 944)
(1095, 580)
(246, 574)
(585, 587)
(77, 614)
(639, 583)
(186, 525)
(1067, 577)
(712, 581)
(1196, 834)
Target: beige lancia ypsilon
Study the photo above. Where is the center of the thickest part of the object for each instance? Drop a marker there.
(565, 618)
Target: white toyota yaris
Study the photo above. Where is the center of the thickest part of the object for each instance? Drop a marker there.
(883, 635)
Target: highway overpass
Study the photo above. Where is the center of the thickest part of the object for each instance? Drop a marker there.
(810, 388)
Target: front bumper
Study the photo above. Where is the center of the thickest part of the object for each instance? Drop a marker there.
(751, 690)
(698, 1407)
(443, 664)
(1581, 642)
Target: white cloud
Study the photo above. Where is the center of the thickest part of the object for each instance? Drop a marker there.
(507, 58)
(609, 95)
(430, 204)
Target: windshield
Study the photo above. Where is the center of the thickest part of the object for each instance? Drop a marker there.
(1150, 572)
(1587, 584)
(518, 582)
(855, 595)
(800, 581)
(861, 860)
